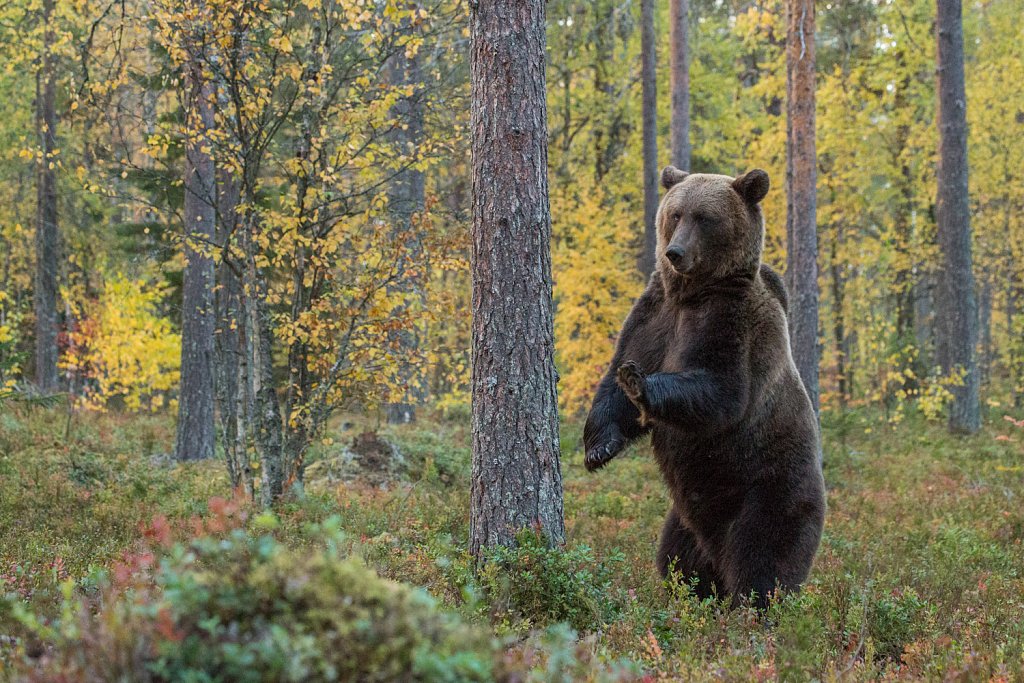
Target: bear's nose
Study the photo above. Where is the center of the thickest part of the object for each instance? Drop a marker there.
(675, 255)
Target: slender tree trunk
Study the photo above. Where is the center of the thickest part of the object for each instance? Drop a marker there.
(196, 430)
(47, 237)
(517, 479)
(1012, 287)
(230, 341)
(680, 52)
(985, 330)
(839, 318)
(649, 88)
(957, 309)
(1013, 358)
(801, 201)
(405, 201)
(265, 426)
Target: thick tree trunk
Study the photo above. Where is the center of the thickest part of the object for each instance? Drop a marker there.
(649, 94)
(405, 201)
(801, 201)
(196, 431)
(47, 238)
(957, 308)
(680, 84)
(517, 479)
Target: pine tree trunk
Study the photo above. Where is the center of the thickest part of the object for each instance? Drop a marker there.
(196, 430)
(47, 238)
(680, 84)
(957, 308)
(801, 201)
(517, 480)
(649, 88)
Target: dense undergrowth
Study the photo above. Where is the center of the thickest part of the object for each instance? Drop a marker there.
(119, 564)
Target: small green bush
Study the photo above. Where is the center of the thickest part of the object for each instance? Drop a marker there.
(246, 608)
(895, 620)
(540, 585)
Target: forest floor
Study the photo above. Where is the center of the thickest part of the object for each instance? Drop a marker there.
(920, 573)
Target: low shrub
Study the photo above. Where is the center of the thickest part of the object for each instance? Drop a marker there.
(243, 607)
(540, 585)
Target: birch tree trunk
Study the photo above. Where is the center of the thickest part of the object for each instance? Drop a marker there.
(680, 51)
(517, 480)
(196, 432)
(47, 238)
(264, 425)
(649, 95)
(801, 201)
(231, 361)
(957, 308)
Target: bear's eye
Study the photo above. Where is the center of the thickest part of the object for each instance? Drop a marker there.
(676, 216)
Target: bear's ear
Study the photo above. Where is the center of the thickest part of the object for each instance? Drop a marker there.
(752, 185)
(670, 175)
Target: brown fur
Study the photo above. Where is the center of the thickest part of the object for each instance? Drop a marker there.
(703, 364)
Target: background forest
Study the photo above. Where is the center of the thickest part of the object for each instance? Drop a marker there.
(239, 233)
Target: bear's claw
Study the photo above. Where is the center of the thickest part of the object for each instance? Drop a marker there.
(597, 458)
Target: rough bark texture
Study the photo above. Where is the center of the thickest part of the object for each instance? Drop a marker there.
(196, 431)
(405, 200)
(47, 238)
(801, 202)
(680, 16)
(517, 479)
(957, 308)
(649, 93)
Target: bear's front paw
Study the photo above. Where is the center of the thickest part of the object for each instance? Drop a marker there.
(631, 379)
(599, 456)
(633, 383)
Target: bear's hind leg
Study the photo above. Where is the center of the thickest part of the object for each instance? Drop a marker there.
(679, 553)
(765, 551)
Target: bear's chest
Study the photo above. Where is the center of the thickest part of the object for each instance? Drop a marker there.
(680, 330)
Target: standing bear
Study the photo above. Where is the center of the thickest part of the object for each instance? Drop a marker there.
(703, 363)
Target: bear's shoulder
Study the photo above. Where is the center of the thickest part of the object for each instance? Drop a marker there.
(774, 284)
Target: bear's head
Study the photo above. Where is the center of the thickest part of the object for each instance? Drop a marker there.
(710, 226)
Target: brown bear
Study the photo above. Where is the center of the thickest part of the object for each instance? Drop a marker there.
(703, 363)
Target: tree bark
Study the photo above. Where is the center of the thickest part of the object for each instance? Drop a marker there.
(985, 331)
(196, 431)
(517, 480)
(801, 201)
(230, 375)
(957, 308)
(264, 411)
(680, 52)
(839, 318)
(649, 95)
(47, 237)
(406, 195)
